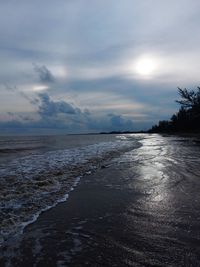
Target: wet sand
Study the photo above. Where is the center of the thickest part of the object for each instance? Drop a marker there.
(134, 212)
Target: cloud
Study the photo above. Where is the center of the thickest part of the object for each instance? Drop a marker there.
(62, 116)
(119, 123)
(45, 76)
(50, 108)
(15, 89)
(10, 88)
(82, 48)
(96, 112)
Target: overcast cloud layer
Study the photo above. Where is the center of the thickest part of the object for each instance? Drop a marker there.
(71, 66)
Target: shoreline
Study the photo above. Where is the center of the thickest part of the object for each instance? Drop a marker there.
(64, 178)
(114, 217)
(78, 217)
(139, 209)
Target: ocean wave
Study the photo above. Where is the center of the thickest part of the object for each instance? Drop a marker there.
(35, 183)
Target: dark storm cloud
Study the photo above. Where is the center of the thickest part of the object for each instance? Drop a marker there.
(49, 108)
(45, 76)
(61, 115)
(118, 122)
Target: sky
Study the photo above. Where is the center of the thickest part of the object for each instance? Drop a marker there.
(79, 66)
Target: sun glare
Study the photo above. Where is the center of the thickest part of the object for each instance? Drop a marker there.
(145, 66)
(40, 87)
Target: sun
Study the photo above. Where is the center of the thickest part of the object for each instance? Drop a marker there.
(145, 66)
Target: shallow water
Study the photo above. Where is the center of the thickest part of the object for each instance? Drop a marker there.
(38, 172)
(141, 209)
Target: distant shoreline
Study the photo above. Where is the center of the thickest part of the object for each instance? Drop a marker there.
(107, 133)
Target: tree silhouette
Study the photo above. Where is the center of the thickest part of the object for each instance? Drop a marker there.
(187, 119)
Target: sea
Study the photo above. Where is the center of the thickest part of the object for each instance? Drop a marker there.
(137, 200)
(37, 172)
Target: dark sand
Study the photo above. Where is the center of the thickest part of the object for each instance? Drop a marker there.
(117, 217)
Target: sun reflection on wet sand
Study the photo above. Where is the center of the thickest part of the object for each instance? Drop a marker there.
(165, 173)
(164, 167)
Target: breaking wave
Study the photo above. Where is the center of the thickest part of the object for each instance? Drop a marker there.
(35, 183)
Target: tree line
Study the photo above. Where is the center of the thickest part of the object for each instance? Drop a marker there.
(187, 119)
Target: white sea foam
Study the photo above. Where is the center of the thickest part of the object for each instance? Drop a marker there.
(35, 183)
